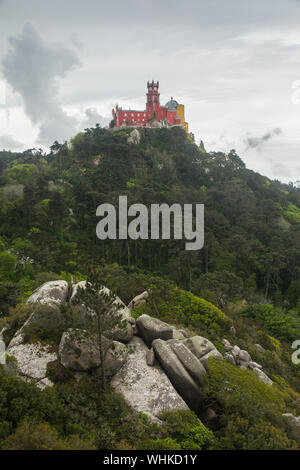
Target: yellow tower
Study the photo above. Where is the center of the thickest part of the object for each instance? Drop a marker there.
(180, 114)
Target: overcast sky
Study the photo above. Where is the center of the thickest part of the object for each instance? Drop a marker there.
(234, 64)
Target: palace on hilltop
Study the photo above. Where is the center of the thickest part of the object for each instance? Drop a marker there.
(155, 115)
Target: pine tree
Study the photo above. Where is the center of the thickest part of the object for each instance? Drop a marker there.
(102, 314)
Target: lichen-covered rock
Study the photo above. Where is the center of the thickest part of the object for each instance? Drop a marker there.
(262, 376)
(134, 137)
(199, 345)
(191, 363)
(254, 365)
(227, 344)
(235, 351)
(52, 292)
(42, 384)
(177, 373)
(123, 334)
(150, 357)
(75, 287)
(244, 356)
(230, 358)
(139, 300)
(115, 356)
(46, 319)
(179, 334)
(32, 359)
(213, 353)
(144, 388)
(293, 420)
(151, 328)
(79, 351)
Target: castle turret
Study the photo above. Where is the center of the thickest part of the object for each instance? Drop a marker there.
(152, 106)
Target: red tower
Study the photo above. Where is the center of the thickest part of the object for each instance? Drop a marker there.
(152, 105)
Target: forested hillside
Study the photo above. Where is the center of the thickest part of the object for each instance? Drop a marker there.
(48, 213)
(247, 277)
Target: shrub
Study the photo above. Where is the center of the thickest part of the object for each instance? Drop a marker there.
(20, 399)
(42, 436)
(159, 444)
(56, 372)
(198, 438)
(241, 393)
(16, 320)
(47, 324)
(240, 434)
(284, 326)
(188, 309)
(186, 428)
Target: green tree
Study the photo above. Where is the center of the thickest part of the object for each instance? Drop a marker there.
(102, 311)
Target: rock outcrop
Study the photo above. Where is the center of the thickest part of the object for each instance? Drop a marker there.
(213, 353)
(262, 376)
(79, 351)
(32, 360)
(177, 372)
(199, 346)
(51, 292)
(260, 348)
(139, 300)
(150, 328)
(160, 368)
(178, 334)
(242, 359)
(134, 137)
(191, 363)
(124, 333)
(293, 420)
(145, 388)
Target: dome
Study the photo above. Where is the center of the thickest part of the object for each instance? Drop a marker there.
(172, 104)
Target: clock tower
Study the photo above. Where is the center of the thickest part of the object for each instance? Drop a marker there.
(152, 105)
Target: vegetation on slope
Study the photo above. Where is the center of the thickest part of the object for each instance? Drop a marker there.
(247, 275)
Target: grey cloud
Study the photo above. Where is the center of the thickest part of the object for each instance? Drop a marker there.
(32, 68)
(92, 117)
(258, 142)
(9, 143)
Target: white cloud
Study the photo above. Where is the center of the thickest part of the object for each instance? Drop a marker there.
(9, 143)
(232, 63)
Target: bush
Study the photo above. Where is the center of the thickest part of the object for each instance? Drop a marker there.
(284, 326)
(187, 309)
(159, 444)
(16, 320)
(20, 400)
(56, 372)
(242, 393)
(42, 436)
(240, 434)
(186, 428)
(46, 324)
